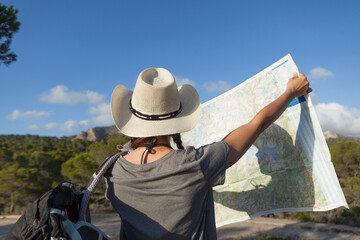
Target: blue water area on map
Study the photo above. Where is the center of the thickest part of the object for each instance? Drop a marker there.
(297, 101)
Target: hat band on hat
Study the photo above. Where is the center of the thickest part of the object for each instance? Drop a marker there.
(154, 117)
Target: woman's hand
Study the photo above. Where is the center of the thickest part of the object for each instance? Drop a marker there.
(298, 85)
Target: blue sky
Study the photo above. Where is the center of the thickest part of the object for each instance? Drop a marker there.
(71, 55)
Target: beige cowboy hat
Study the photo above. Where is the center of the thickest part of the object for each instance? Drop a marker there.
(156, 107)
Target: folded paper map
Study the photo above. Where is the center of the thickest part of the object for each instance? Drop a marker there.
(288, 168)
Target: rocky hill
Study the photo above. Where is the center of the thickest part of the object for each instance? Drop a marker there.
(332, 137)
(97, 133)
(101, 133)
(331, 134)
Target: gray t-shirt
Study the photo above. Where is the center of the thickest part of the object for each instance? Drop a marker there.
(170, 198)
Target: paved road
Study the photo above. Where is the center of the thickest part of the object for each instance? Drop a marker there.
(250, 229)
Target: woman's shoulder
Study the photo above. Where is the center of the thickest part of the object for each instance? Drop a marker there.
(209, 150)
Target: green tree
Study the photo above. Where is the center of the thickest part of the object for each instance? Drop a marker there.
(352, 190)
(14, 185)
(31, 165)
(5, 154)
(8, 26)
(79, 169)
(101, 150)
(346, 158)
(98, 152)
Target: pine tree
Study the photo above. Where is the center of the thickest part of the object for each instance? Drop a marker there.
(8, 26)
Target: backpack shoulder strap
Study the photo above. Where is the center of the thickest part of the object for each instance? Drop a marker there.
(94, 181)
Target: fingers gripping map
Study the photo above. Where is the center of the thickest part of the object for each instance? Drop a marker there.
(288, 168)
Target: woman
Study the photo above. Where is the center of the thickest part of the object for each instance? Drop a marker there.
(162, 193)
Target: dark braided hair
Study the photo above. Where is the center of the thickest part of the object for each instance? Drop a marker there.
(177, 140)
(138, 141)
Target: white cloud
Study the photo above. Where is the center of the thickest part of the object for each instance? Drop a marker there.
(339, 118)
(314, 98)
(102, 120)
(100, 108)
(103, 111)
(14, 115)
(33, 127)
(320, 73)
(60, 94)
(50, 126)
(219, 86)
(69, 126)
(31, 115)
(103, 117)
(94, 97)
(181, 81)
(84, 123)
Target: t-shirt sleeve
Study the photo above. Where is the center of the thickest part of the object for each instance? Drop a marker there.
(213, 159)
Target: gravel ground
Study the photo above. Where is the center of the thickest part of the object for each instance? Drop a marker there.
(257, 228)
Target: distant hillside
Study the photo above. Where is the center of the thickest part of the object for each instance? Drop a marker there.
(331, 134)
(332, 137)
(97, 133)
(101, 133)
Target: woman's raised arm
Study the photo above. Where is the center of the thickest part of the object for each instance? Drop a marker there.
(243, 137)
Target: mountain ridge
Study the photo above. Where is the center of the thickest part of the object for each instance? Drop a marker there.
(101, 133)
(97, 133)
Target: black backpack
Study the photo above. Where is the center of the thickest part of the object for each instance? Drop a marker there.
(62, 213)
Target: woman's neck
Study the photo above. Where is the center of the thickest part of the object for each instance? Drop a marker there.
(157, 151)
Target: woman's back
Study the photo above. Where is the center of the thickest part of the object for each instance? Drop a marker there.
(170, 198)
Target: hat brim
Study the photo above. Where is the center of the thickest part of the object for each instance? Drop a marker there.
(132, 126)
